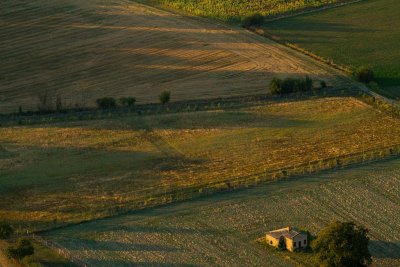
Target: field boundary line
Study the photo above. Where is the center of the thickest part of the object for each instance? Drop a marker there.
(165, 197)
(313, 10)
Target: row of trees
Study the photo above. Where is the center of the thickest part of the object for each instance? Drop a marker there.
(127, 102)
(290, 85)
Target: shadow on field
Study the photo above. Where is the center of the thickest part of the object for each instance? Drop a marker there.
(385, 249)
(199, 120)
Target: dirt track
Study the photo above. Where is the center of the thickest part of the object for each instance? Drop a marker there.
(83, 50)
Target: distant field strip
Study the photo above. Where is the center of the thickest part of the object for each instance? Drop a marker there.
(234, 10)
(73, 171)
(83, 50)
(221, 230)
(366, 33)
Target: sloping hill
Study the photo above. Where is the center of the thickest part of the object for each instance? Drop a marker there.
(83, 50)
(362, 34)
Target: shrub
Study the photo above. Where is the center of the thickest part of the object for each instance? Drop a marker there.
(127, 101)
(106, 103)
(322, 84)
(164, 97)
(22, 249)
(364, 75)
(253, 20)
(275, 86)
(6, 231)
(342, 244)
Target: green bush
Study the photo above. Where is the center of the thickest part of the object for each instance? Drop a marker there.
(275, 86)
(127, 101)
(364, 75)
(106, 103)
(22, 249)
(253, 20)
(290, 85)
(165, 97)
(6, 231)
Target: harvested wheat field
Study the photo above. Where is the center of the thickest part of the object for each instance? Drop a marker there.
(221, 230)
(83, 50)
(66, 172)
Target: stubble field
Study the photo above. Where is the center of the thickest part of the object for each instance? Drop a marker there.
(83, 50)
(221, 230)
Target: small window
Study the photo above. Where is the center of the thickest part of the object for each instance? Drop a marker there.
(305, 242)
(294, 244)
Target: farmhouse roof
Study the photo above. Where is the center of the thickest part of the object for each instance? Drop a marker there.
(285, 232)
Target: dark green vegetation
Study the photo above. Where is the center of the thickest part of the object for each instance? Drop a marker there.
(290, 85)
(222, 229)
(253, 20)
(128, 102)
(106, 103)
(362, 34)
(6, 231)
(342, 244)
(21, 249)
(111, 102)
(165, 97)
(364, 75)
(236, 10)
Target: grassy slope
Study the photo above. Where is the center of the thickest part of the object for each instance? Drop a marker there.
(221, 229)
(67, 172)
(234, 10)
(366, 33)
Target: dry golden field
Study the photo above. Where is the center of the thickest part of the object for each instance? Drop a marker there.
(51, 174)
(83, 50)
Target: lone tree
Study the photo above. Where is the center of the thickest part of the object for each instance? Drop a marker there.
(6, 231)
(342, 244)
(364, 75)
(165, 96)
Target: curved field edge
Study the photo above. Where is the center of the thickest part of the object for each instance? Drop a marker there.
(101, 168)
(209, 230)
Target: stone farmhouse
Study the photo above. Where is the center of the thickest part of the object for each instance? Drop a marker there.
(287, 237)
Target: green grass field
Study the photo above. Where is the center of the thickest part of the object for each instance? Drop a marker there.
(221, 230)
(234, 10)
(59, 173)
(362, 34)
